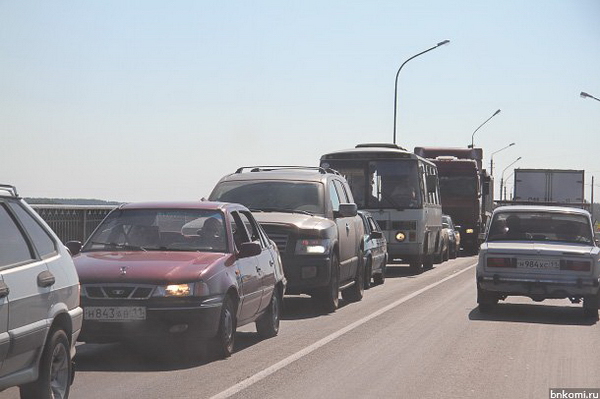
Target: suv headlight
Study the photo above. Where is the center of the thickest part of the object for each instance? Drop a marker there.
(312, 246)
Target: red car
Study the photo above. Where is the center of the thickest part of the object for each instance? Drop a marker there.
(191, 272)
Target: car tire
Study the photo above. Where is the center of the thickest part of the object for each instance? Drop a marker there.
(267, 324)
(368, 273)
(486, 300)
(428, 262)
(416, 265)
(453, 253)
(328, 297)
(590, 306)
(439, 256)
(379, 278)
(55, 376)
(355, 292)
(447, 253)
(221, 346)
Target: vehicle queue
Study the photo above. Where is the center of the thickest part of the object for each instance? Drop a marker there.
(188, 274)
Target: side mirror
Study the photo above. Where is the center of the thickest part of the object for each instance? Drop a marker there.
(347, 210)
(248, 249)
(376, 234)
(74, 247)
(457, 227)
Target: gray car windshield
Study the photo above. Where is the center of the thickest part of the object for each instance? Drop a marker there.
(273, 195)
(540, 226)
(160, 230)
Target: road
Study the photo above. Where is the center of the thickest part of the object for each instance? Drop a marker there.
(413, 337)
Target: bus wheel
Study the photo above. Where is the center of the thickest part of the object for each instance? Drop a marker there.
(428, 262)
(416, 265)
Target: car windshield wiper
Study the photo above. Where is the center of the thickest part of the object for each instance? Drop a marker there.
(127, 247)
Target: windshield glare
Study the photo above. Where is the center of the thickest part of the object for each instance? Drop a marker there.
(540, 226)
(160, 230)
(273, 195)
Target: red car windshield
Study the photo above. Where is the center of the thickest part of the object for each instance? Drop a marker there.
(160, 230)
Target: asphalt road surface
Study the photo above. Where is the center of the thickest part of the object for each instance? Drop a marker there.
(413, 337)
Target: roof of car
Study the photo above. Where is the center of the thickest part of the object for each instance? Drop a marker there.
(281, 173)
(540, 208)
(208, 205)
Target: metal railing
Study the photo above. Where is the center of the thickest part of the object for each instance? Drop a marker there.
(73, 222)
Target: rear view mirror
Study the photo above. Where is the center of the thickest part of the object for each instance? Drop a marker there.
(248, 249)
(347, 210)
(74, 247)
(376, 234)
(432, 183)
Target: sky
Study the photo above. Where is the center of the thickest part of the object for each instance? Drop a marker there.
(157, 100)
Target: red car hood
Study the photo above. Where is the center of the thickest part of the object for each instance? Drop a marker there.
(145, 267)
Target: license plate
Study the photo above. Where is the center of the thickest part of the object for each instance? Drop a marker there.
(115, 313)
(538, 264)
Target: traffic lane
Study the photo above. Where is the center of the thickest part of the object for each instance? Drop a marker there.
(439, 345)
(111, 370)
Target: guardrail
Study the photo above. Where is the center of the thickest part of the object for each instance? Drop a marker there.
(73, 222)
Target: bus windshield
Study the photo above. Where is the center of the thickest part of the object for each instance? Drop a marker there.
(382, 183)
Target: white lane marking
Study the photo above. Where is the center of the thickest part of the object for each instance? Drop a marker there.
(300, 354)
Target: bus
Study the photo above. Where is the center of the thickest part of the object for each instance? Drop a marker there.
(401, 190)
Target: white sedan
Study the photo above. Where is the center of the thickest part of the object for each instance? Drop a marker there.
(540, 252)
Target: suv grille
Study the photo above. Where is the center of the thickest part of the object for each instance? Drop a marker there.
(280, 240)
(117, 291)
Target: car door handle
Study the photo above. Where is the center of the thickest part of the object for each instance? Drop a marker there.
(271, 263)
(258, 269)
(347, 228)
(45, 279)
(4, 290)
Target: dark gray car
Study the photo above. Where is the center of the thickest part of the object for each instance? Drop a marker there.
(375, 252)
(311, 215)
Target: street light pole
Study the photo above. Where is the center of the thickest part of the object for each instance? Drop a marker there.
(486, 121)
(583, 94)
(492, 158)
(398, 73)
(502, 177)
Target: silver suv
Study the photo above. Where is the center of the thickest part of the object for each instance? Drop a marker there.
(40, 316)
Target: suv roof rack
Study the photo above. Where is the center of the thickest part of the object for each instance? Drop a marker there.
(11, 190)
(271, 168)
(381, 145)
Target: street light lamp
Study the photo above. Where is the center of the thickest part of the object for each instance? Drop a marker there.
(398, 73)
(583, 94)
(486, 121)
(492, 158)
(502, 176)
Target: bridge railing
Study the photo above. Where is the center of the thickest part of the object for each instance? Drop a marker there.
(73, 222)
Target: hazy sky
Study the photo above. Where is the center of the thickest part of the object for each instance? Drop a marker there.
(156, 100)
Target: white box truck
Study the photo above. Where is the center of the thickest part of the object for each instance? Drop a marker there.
(559, 186)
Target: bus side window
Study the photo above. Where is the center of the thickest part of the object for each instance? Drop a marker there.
(423, 183)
